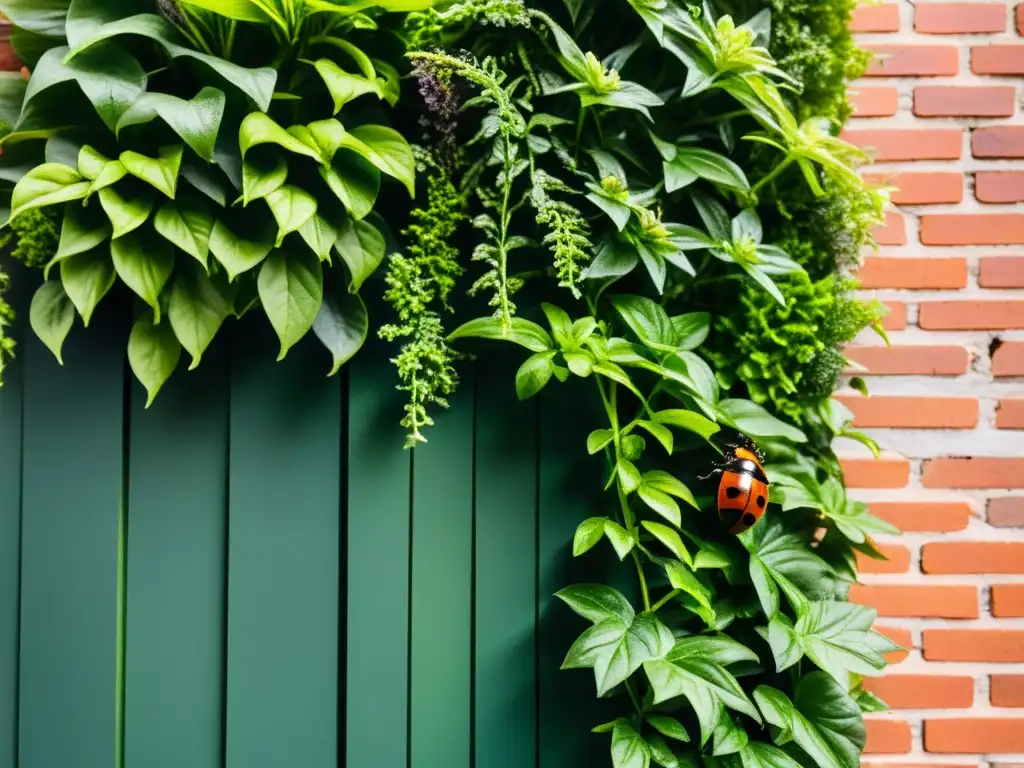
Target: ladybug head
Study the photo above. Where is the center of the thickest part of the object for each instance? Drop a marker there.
(743, 441)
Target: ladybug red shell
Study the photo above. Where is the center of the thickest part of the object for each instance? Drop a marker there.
(743, 490)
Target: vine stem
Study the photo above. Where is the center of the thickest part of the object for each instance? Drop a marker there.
(635, 700)
(502, 254)
(774, 174)
(665, 599)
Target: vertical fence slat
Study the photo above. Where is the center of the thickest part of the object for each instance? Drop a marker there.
(376, 696)
(174, 667)
(10, 528)
(72, 488)
(506, 561)
(283, 573)
(442, 583)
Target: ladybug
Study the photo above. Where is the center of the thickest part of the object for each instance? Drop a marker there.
(743, 487)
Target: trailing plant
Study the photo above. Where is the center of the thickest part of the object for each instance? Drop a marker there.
(211, 155)
(631, 155)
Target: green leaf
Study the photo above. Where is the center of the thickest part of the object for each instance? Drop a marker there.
(685, 580)
(344, 87)
(855, 522)
(153, 353)
(666, 483)
(292, 208)
(691, 329)
(729, 736)
(696, 163)
(262, 173)
(534, 374)
(767, 591)
(522, 332)
(647, 319)
(51, 316)
(758, 754)
(144, 263)
(628, 475)
(629, 750)
(47, 184)
(161, 172)
(834, 635)
(670, 539)
(753, 420)
(258, 128)
(325, 137)
(44, 17)
(660, 433)
(320, 233)
(238, 249)
(721, 649)
(560, 323)
(341, 324)
(387, 150)
(783, 641)
(688, 420)
(823, 719)
(660, 752)
(596, 602)
(82, 230)
(197, 308)
(87, 277)
(668, 726)
(361, 246)
(783, 559)
(354, 181)
(621, 539)
(196, 121)
(615, 648)
(588, 534)
(186, 223)
(660, 502)
(291, 289)
(598, 439)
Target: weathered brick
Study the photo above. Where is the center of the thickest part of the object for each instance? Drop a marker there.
(1008, 359)
(959, 18)
(922, 188)
(973, 473)
(1006, 690)
(893, 231)
(904, 412)
(913, 273)
(919, 600)
(1010, 414)
(998, 59)
(985, 315)
(998, 141)
(899, 144)
(964, 101)
(907, 360)
(923, 691)
(972, 557)
(999, 186)
(913, 60)
(912, 516)
(993, 645)
(1005, 512)
(884, 472)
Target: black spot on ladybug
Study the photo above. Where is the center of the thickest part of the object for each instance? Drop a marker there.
(760, 501)
(732, 493)
(749, 519)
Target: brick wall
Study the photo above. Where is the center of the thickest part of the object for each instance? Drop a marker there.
(942, 113)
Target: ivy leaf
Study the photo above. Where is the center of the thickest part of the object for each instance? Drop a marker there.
(341, 324)
(783, 641)
(361, 246)
(615, 648)
(236, 249)
(354, 181)
(153, 353)
(196, 121)
(688, 420)
(259, 128)
(197, 308)
(160, 172)
(587, 535)
(823, 719)
(87, 277)
(144, 264)
(670, 539)
(126, 214)
(596, 602)
(781, 559)
(668, 726)
(291, 290)
(534, 374)
(629, 750)
(855, 522)
(683, 578)
(51, 316)
(647, 319)
(83, 229)
(522, 332)
(660, 752)
(292, 208)
(47, 184)
(387, 150)
(344, 87)
(834, 635)
(186, 223)
(325, 137)
(262, 173)
(718, 648)
(753, 420)
(320, 234)
(758, 754)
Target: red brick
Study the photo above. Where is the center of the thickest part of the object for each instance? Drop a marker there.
(1008, 601)
(923, 691)
(973, 473)
(974, 735)
(1002, 141)
(902, 412)
(1006, 690)
(1001, 272)
(898, 144)
(995, 645)
(898, 560)
(887, 737)
(913, 273)
(1005, 512)
(893, 232)
(884, 472)
(965, 101)
(998, 59)
(972, 557)
(907, 360)
(1008, 359)
(999, 186)
(1020, 19)
(927, 601)
(912, 60)
(874, 102)
(1011, 413)
(913, 188)
(972, 229)
(959, 18)
(991, 315)
(912, 516)
(896, 320)
(900, 636)
(878, 18)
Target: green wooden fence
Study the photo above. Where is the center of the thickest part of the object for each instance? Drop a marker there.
(254, 574)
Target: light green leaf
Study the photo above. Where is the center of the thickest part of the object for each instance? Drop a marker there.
(660, 752)
(237, 10)
(361, 246)
(534, 374)
(719, 648)
(153, 353)
(683, 578)
(787, 560)
(666, 483)
(628, 475)
(668, 726)
(83, 229)
(783, 641)
(291, 289)
(187, 223)
(87, 277)
(629, 750)
(325, 137)
(596, 602)
(691, 329)
(704, 164)
(196, 309)
(598, 440)
(47, 184)
(344, 87)
(292, 207)
(670, 539)
(660, 433)
(238, 249)
(616, 648)
(161, 172)
(647, 319)
(258, 128)
(522, 332)
(320, 233)
(354, 181)
(834, 635)
(767, 591)
(196, 121)
(621, 539)
(262, 173)
(753, 420)
(588, 533)
(688, 420)
(144, 264)
(51, 316)
(387, 150)
(660, 502)
(341, 324)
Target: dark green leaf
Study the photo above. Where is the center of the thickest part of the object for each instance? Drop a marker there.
(361, 246)
(522, 332)
(534, 374)
(354, 181)
(197, 120)
(341, 324)
(291, 290)
(160, 172)
(647, 319)
(783, 641)
(87, 277)
(187, 223)
(753, 420)
(387, 150)
(616, 648)
(197, 307)
(153, 353)
(51, 316)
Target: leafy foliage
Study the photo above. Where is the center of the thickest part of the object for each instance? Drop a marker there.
(224, 154)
